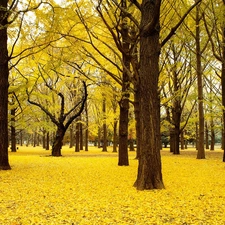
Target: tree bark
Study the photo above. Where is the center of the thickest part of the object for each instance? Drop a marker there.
(115, 141)
(47, 141)
(86, 130)
(149, 167)
(58, 142)
(137, 118)
(71, 136)
(4, 74)
(77, 139)
(13, 130)
(124, 102)
(201, 149)
(104, 146)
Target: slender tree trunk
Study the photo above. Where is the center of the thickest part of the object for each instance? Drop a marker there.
(4, 74)
(115, 136)
(149, 167)
(124, 102)
(58, 142)
(86, 130)
(44, 139)
(47, 141)
(21, 137)
(71, 136)
(77, 134)
(201, 150)
(81, 137)
(104, 146)
(212, 144)
(206, 136)
(13, 130)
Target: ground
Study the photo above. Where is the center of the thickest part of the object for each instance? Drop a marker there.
(89, 188)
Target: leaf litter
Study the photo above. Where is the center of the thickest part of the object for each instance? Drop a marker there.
(92, 189)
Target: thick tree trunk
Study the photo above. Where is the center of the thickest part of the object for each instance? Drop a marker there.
(58, 142)
(4, 74)
(149, 167)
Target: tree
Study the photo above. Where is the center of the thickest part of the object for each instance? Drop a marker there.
(149, 168)
(63, 114)
(4, 74)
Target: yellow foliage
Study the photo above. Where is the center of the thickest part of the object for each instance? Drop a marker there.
(89, 188)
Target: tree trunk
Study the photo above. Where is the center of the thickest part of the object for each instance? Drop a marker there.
(58, 142)
(4, 74)
(124, 102)
(206, 136)
(137, 118)
(77, 139)
(71, 136)
(99, 137)
(47, 141)
(115, 135)
(21, 137)
(149, 167)
(13, 130)
(104, 146)
(201, 150)
(212, 144)
(123, 133)
(174, 141)
(81, 137)
(44, 139)
(86, 130)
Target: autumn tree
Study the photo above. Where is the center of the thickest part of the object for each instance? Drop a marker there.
(59, 86)
(4, 74)
(215, 26)
(149, 168)
(177, 78)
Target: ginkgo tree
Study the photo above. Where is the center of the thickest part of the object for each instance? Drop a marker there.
(12, 20)
(59, 93)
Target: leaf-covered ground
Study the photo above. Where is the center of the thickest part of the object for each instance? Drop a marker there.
(89, 188)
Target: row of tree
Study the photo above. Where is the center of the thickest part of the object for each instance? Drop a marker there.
(153, 67)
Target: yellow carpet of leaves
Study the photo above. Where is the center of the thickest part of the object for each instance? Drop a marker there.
(89, 188)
